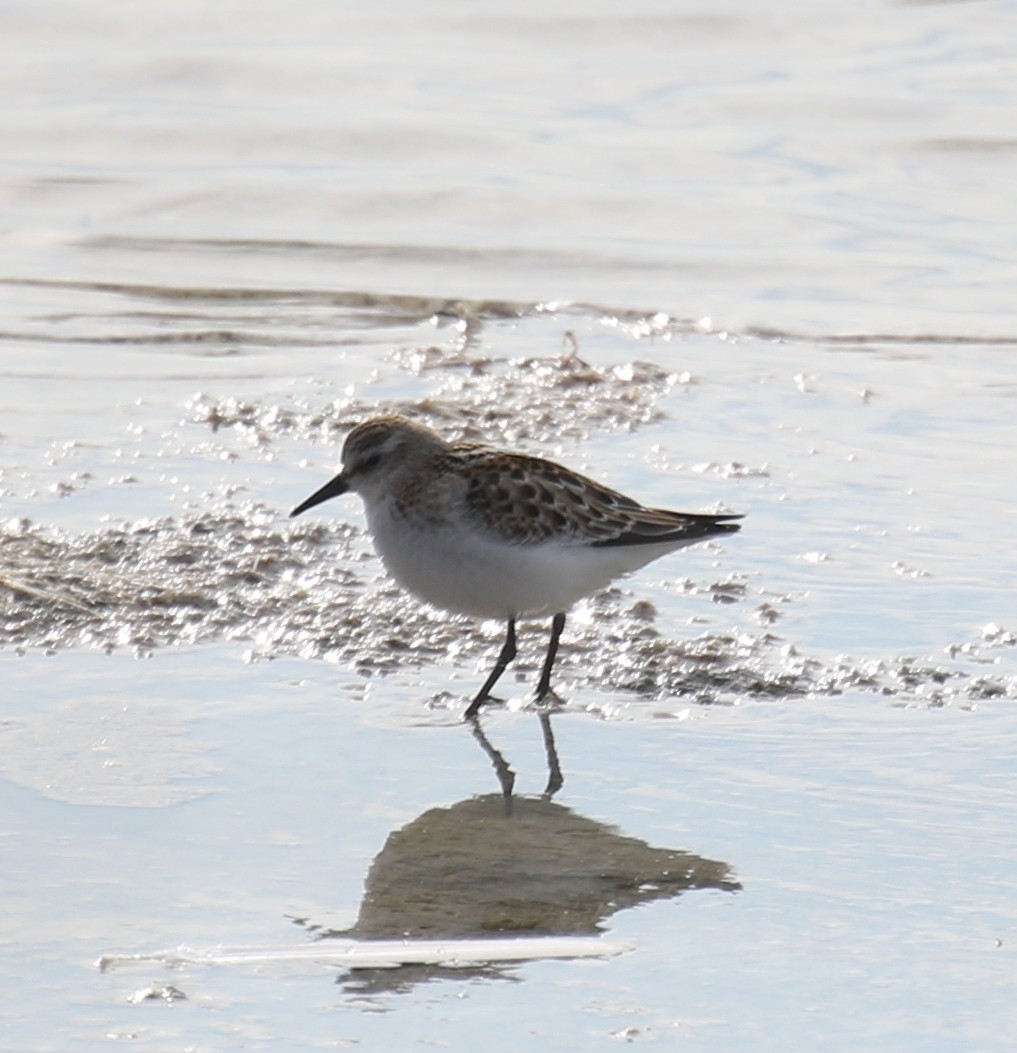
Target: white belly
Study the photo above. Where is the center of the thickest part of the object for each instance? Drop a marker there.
(469, 573)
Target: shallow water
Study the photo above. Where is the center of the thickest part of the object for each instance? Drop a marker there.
(717, 258)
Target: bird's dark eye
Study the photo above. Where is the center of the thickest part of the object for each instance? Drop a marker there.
(369, 463)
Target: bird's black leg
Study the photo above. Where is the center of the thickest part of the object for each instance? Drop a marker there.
(508, 652)
(544, 687)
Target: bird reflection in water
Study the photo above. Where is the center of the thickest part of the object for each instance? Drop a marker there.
(509, 865)
(506, 776)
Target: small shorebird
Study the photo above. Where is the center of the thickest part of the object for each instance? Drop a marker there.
(492, 534)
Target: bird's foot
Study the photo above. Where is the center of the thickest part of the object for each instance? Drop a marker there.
(548, 698)
(482, 700)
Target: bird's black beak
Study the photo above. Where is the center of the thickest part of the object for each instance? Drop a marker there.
(334, 488)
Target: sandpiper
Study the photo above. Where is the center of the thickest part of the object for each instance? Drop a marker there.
(492, 534)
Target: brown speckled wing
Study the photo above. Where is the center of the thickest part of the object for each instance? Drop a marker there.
(527, 500)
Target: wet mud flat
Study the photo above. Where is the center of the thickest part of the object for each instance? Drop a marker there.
(227, 564)
(721, 258)
(796, 732)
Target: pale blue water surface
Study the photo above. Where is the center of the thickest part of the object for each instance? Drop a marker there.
(751, 257)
